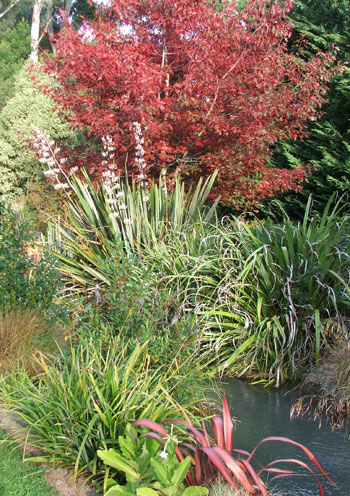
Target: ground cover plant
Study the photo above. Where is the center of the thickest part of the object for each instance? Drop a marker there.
(19, 478)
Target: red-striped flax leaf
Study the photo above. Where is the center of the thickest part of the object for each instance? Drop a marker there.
(302, 464)
(206, 435)
(287, 473)
(154, 435)
(190, 478)
(195, 433)
(208, 468)
(218, 431)
(198, 467)
(187, 453)
(210, 452)
(255, 477)
(235, 468)
(189, 446)
(150, 424)
(310, 455)
(241, 452)
(228, 425)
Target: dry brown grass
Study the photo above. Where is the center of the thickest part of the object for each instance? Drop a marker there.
(331, 379)
(221, 488)
(22, 332)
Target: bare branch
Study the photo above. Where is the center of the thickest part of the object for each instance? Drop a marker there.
(9, 7)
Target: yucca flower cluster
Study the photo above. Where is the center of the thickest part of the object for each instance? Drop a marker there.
(139, 155)
(111, 182)
(47, 152)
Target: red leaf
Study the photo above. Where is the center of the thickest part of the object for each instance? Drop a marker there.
(195, 433)
(218, 431)
(210, 452)
(228, 425)
(310, 455)
(235, 468)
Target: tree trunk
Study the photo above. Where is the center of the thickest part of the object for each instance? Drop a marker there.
(35, 30)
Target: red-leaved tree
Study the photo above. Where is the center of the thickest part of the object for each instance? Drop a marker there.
(202, 88)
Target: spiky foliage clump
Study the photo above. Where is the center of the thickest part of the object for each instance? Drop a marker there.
(280, 284)
(101, 221)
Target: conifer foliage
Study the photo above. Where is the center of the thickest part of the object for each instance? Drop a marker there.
(207, 88)
(326, 146)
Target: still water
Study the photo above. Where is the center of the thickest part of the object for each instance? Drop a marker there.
(265, 412)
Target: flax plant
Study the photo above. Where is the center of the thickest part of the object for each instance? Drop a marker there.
(83, 400)
(118, 216)
(280, 283)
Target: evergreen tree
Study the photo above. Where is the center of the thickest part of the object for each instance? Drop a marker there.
(29, 106)
(327, 146)
(14, 50)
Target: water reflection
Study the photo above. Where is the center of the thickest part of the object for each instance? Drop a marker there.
(265, 413)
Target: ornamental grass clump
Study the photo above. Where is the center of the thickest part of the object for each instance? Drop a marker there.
(81, 401)
(330, 381)
(22, 333)
(116, 215)
(279, 286)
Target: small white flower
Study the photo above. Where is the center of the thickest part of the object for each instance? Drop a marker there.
(163, 454)
(49, 173)
(73, 170)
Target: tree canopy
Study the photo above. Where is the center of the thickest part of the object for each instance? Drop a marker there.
(207, 88)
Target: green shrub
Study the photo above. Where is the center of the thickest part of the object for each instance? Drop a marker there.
(83, 401)
(27, 107)
(14, 50)
(28, 277)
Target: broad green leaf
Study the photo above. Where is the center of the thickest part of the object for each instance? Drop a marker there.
(160, 471)
(181, 472)
(118, 490)
(113, 459)
(146, 491)
(195, 491)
